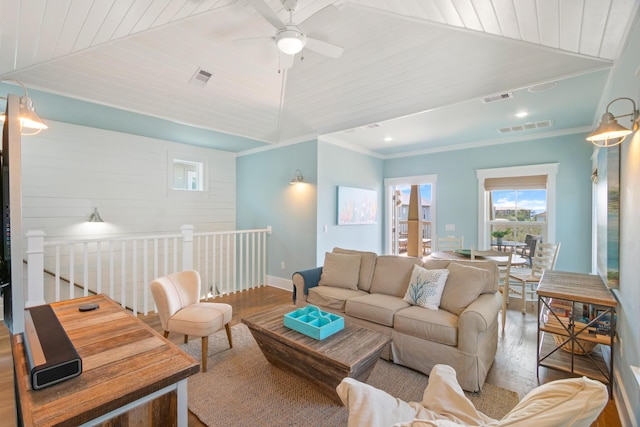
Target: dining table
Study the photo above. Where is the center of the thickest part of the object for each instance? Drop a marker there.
(503, 245)
(465, 254)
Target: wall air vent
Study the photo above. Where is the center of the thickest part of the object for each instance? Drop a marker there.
(200, 78)
(527, 126)
(499, 97)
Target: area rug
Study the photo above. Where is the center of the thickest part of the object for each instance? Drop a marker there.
(241, 388)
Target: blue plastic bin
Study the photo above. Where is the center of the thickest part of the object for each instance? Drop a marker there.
(313, 322)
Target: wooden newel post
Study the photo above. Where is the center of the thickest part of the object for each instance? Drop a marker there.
(413, 221)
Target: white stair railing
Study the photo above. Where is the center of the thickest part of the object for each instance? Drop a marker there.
(123, 267)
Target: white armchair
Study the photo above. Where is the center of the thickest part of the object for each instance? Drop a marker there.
(574, 402)
(177, 297)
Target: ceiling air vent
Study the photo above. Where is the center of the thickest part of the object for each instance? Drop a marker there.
(200, 78)
(499, 97)
(526, 126)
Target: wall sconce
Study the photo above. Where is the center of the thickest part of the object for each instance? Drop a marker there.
(95, 216)
(28, 117)
(609, 133)
(297, 178)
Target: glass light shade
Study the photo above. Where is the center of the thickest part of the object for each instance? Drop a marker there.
(609, 132)
(297, 178)
(95, 216)
(290, 40)
(28, 117)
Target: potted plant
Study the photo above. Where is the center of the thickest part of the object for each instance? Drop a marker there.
(499, 234)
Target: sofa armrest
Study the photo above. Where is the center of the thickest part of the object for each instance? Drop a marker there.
(304, 280)
(476, 319)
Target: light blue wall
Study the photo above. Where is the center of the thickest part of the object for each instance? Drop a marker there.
(264, 197)
(625, 83)
(457, 188)
(339, 166)
(68, 110)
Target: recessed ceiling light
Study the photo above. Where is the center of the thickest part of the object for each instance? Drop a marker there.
(522, 114)
(388, 139)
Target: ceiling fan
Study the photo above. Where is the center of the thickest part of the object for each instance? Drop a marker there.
(291, 38)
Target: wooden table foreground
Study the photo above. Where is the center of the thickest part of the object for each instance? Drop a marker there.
(131, 374)
(351, 352)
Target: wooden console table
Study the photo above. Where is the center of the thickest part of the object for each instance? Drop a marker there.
(576, 315)
(131, 374)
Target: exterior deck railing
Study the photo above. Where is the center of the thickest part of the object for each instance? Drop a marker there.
(123, 267)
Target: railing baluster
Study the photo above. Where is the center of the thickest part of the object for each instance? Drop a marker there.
(111, 270)
(71, 272)
(99, 267)
(85, 276)
(175, 254)
(57, 280)
(166, 256)
(206, 267)
(228, 262)
(145, 276)
(228, 245)
(134, 276)
(123, 271)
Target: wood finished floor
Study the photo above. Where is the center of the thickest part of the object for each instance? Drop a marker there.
(513, 369)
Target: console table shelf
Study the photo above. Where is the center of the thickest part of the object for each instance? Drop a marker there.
(576, 325)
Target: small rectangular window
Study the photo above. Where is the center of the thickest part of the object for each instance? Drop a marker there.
(187, 175)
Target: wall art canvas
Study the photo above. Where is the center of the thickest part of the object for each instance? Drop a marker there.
(608, 214)
(357, 206)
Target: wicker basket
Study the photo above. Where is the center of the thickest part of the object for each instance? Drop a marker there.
(589, 346)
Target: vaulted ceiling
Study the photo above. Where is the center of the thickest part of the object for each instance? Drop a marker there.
(429, 62)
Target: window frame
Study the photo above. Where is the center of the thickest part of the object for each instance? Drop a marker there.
(484, 222)
(186, 194)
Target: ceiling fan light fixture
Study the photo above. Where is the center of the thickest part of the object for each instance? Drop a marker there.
(290, 40)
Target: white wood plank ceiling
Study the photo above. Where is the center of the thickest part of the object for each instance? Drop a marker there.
(400, 58)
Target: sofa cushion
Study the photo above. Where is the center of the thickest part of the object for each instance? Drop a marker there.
(340, 270)
(331, 296)
(438, 326)
(464, 285)
(490, 265)
(376, 308)
(367, 264)
(425, 287)
(392, 273)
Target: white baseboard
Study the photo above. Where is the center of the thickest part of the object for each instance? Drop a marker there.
(625, 409)
(279, 282)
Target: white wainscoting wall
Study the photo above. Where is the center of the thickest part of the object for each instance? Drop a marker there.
(69, 169)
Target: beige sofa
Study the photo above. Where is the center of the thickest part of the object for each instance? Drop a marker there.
(370, 290)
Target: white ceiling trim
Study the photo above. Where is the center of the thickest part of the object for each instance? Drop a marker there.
(486, 143)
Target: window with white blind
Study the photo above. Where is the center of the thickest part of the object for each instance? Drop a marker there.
(517, 201)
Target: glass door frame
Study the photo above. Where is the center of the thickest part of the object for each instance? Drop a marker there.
(389, 184)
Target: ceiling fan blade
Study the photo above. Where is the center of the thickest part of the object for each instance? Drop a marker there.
(267, 13)
(253, 40)
(325, 48)
(320, 19)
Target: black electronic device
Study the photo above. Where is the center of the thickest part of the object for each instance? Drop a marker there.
(50, 353)
(5, 246)
(88, 307)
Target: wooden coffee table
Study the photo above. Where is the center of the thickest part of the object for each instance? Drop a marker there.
(351, 352)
